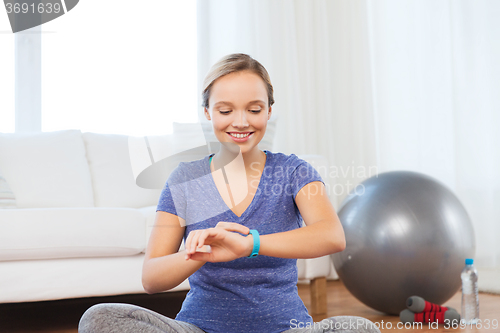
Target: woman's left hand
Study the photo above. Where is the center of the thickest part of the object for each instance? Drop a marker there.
(225, 243)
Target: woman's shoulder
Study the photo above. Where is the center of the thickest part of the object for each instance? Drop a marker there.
(289, 160)
(187, 171)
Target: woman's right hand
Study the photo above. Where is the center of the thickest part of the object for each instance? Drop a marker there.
(225, 242)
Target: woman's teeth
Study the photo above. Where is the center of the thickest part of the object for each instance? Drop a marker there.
(240, 135)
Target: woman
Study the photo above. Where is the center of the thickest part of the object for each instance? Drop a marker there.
(239, 212)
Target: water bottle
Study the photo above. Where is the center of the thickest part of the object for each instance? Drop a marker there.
(470, 297)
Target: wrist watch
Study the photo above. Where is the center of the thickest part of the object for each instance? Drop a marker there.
(256, 243)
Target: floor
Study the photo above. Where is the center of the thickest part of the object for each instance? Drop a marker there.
(62, 316)
(341, 302)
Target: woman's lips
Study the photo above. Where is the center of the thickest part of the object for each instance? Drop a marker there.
(240, 139)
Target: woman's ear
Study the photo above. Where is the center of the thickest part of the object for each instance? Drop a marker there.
(269, 112)
(207, 114)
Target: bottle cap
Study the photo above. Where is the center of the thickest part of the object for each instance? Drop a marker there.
(469, 261)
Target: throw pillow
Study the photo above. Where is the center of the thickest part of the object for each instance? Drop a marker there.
(7, 198)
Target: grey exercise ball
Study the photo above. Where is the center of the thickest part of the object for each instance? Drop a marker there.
(406, 235)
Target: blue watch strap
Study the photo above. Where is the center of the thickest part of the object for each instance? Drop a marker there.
(256, 243)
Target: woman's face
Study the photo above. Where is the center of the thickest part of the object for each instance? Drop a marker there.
(238, 103)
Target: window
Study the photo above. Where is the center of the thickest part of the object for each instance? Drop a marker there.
(121, 67)
(7, 68)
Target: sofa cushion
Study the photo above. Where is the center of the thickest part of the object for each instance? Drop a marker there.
(149, 214)
(113, 179)
(189, 135)
(46, 233)
(46, 169)
(41, 280)
(7, 198)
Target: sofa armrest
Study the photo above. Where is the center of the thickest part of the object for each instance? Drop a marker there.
(315, 267)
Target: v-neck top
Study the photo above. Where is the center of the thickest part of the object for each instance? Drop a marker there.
(210, 161)
(212, 155)
(247, 294)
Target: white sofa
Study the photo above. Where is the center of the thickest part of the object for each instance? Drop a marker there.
(80, 224)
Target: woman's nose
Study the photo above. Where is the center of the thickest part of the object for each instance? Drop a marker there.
(240, 119)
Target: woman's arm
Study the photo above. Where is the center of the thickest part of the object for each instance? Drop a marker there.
(164, 267)
(322, 235)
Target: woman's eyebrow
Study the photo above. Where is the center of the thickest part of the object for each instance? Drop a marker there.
(251, 102)
(256, 101)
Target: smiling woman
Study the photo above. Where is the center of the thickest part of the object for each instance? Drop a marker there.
(246, 280)
(237, 99)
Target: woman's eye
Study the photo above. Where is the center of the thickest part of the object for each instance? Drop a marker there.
(226, 112)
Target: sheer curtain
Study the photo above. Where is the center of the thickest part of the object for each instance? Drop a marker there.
(7, 76)
(115, 67)
(435, 71)
(379, 86)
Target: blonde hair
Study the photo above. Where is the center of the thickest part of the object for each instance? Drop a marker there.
(232, 63)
